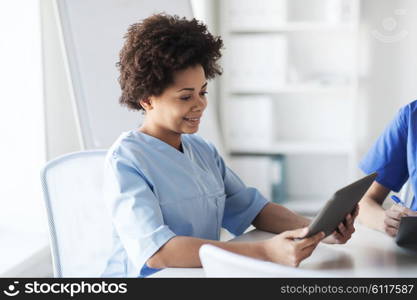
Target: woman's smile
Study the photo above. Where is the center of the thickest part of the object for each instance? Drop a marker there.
(192, 121)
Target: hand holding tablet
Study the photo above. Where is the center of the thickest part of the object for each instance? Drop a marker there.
(341, 204)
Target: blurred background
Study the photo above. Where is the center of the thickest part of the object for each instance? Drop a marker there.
(307, 87)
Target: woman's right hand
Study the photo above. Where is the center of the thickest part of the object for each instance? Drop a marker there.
(393, 217)
(290, 247)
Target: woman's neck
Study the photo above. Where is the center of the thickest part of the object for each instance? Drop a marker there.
(171, 138)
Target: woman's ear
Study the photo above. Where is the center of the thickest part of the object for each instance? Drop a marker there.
(146, 103)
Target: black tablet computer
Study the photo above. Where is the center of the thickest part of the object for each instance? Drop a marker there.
(339, 206)
(407, 232)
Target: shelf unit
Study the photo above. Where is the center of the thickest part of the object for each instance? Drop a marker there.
(298, 26)
(289, 148)
(290, 88)
(297, 89)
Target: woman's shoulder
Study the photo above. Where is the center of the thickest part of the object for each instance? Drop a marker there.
(410, 107)
(124, 145)
(408, 113)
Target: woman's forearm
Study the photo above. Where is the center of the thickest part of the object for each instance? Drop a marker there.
(276, 218)
(182, 252)
(371, 213)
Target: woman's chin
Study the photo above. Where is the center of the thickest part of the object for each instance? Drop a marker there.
(190, 130)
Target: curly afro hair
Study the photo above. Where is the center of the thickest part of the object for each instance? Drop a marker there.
(159, 46)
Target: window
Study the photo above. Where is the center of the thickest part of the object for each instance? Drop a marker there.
(23, 228)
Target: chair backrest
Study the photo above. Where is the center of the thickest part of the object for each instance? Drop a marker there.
(79, 224)
(218, 262)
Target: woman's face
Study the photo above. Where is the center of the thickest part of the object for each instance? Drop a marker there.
(180, 107)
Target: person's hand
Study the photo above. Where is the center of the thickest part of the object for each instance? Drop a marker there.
(290, 247)
(393, 217)
(345, 229)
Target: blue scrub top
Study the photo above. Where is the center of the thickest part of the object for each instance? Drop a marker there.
(155, 192)
(394, 154)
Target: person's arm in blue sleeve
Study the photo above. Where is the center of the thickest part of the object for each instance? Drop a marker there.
(135, 211)
(387, 157)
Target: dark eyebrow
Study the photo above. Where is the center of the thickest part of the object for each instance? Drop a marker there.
(192, 89)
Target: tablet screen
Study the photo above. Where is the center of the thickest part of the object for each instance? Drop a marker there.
(341, 203)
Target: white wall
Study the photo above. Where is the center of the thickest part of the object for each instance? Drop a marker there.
(389, 62)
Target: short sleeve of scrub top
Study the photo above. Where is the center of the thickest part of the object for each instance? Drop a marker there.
(135, 212)
(388, 155)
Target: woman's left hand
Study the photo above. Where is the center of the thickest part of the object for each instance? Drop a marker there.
(344, 231)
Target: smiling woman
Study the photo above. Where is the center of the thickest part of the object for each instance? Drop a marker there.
(22, 222)
(168, 190)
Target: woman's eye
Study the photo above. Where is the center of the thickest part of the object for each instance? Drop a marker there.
(186, 98)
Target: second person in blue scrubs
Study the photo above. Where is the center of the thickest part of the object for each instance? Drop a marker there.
(394, 157)
(168, 190)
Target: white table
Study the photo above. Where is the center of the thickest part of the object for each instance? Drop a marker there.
(368, 253)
